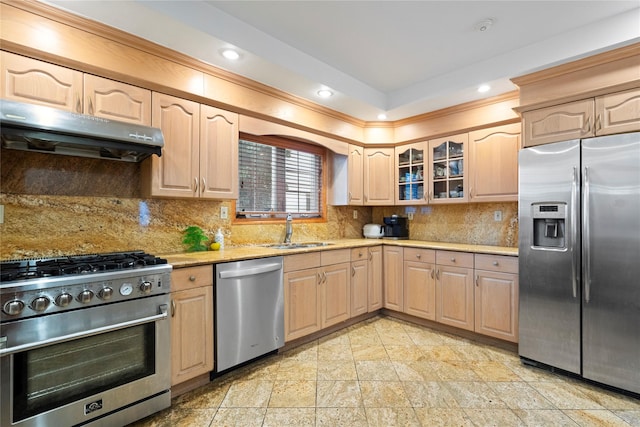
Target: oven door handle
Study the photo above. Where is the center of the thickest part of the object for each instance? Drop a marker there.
(31, 346)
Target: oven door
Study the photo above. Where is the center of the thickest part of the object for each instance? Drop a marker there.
(79, 366)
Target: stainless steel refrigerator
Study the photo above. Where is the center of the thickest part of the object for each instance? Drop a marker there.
(579, 255)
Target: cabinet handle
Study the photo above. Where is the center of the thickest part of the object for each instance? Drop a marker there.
(418, 256)
(430, 195)
(192, 278)
(195, 180)
(437, 274)
(471, 192)
(173, 308)
(598, 124)
(353, 271)
(496, 263)
(587, 126)
(366, 198)
(319, 278)
(350, 196)
(370, 256)
(90, 107)
(360, 254)
(476, 280)
(324, 276)
(203, 187)
(79, 104)
(432, 274)
(453, 259)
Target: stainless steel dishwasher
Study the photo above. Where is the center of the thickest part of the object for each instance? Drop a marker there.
(249, 310)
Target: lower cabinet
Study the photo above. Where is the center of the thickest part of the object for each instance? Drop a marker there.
(191, 323)
(317, 291)
(393, 278)
(496, 296)
(454, 289)
(420, 283)
(375, 278)
(366, 280)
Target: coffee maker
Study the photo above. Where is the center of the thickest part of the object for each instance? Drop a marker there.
(395, 227)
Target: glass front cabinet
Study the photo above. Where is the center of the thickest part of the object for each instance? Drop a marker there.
(447, 174)
(411, 161)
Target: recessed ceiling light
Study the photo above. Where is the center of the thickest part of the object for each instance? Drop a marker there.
(325, 93)
(484, 25)
(484, 88)
(230, 54)
(382, 116)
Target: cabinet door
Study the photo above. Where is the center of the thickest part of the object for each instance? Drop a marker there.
(191, 333)
(355, 175)
(36, 82)
(118, 101)
(359, 281)
(618, 112)
(447, 176)
(301, 303)
(420, 289)
(375, 278)
(410, 173)
(393, 285)
(175, 173)
(336, 294)
(218, 153)
(454, 297)
(378, 176)
(493, 158)
(558, 123)
(496, 304)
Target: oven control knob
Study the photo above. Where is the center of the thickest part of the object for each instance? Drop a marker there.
(40, 304)
(85, 296)
(13, 307)
(145, 287)
(63, 300)
(105, 293)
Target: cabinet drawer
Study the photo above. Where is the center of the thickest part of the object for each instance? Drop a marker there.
(504, 264)
(456, 259)
(335, 257)
(419, 255)
(358, 254)
(301, 261)
(191, 277)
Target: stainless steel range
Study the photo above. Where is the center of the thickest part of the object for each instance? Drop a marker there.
(84, 340)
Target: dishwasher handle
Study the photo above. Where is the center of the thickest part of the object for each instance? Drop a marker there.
(230, 274)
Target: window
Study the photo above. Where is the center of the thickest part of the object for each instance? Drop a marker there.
(279, 176)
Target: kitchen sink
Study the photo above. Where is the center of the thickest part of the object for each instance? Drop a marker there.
(297, 245)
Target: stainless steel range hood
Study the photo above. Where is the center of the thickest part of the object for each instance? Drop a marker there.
(49, 130)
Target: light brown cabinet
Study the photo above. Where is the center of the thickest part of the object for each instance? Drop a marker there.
(378, 176)
(604, 115)
(454, 289)
(496, 296)
(493, 164)
(375, 278)
(420, 283)
(393, 278)
(355, 175)
(191, 323)
(447, 174)
(38, 82)
(117, 101)
(200, 156)
(317, 291)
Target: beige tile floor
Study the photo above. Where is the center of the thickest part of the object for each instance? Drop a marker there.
(387, 372)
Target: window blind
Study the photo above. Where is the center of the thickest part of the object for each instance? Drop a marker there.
(278, 180)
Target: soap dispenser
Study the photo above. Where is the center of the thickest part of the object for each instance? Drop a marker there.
(219, 238)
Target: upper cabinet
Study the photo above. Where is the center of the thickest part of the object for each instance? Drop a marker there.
(448, 169)
(618, 112)
(37, 82)
(378, 176)
(355, 176)
(410, 162)
(200, 156)
(118, 101)
(493, 158)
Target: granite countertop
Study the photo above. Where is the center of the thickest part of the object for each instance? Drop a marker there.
(189, 259)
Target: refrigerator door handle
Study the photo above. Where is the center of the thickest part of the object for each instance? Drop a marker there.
(574, 232)
(586, 241)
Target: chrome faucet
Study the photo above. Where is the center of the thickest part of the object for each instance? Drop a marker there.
(288, 231)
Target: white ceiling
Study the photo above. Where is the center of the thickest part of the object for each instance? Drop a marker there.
(402, 58)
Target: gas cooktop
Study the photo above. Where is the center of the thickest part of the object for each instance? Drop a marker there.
(74, 265)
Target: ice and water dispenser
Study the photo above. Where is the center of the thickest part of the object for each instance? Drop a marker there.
(549, 221)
